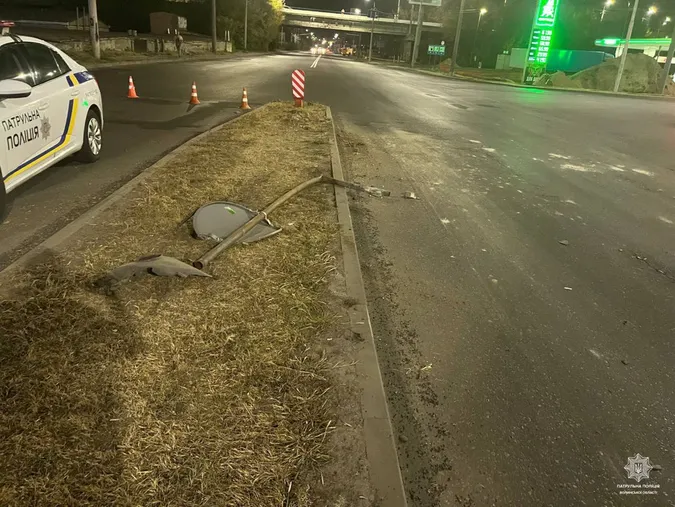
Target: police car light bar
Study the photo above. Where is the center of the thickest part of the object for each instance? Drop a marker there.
(5, 26)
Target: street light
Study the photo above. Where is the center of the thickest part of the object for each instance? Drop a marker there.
(357, 11)
(652, 10)
(666, 21)
(607, 5)
(481, 13)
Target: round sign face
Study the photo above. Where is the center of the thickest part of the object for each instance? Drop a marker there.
(442, 43)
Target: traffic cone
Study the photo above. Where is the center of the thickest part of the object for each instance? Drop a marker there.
(244, 100)
(132, 89)
(194, 99)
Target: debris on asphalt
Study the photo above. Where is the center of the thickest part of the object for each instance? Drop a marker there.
(568, 288)
(564, 242)
(378, 192)
(426, 368)
(624, 361)
(410, 195)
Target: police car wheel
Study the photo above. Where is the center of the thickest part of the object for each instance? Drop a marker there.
(4, 202)
(93, 138)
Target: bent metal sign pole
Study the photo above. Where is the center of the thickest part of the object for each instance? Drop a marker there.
(540, 39)
(298, 83)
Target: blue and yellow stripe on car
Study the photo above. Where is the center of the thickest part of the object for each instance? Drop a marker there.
(78, 78)
(62, 143)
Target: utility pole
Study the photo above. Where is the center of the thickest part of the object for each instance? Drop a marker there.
(622, 64)
(666, 68)
(418, 36)
(455, 48)
(93, 30)
(372, 32)
(214, 27)
(246, 26)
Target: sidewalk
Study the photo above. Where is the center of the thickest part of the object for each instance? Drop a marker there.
(237, 390)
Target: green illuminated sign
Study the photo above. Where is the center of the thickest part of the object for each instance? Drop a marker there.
(540, 45)
(665, 41)
(436, 50)
(540, 40)
(546, 13)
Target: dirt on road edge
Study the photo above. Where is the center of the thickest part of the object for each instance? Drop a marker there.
(233, 391)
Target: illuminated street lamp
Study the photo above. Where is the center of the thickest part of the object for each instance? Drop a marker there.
(357, 11)
(652, 10)
(666, 21)
(607, 5)
(481, 13)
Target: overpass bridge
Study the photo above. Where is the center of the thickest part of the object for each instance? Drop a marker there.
(337, 21)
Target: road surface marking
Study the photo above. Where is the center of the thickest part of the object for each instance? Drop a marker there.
(315, 63)
(616, 168)
(666, 220)
(643, 172)
(555, 155)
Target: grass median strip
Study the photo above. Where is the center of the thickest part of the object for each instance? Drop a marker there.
(170, 391)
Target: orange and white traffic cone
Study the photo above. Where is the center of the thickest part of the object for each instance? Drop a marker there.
(244, 100)
(132, 89)
(194, 99)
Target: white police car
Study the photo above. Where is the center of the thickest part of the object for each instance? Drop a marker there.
(50, 107)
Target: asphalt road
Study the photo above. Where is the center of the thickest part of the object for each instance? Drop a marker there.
(523, 306)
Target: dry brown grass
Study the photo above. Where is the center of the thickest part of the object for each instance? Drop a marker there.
(178, 392)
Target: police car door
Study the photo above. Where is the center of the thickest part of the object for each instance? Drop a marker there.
(19, 118)
(46, 124)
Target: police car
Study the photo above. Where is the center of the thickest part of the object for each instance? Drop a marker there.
(50, 107)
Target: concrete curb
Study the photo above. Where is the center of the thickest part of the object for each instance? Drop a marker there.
(89, 216)
(385, 472)
(586, 91)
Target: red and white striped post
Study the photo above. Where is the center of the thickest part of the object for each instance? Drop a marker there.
(298, 82)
